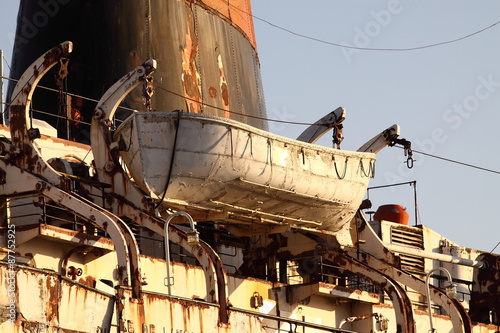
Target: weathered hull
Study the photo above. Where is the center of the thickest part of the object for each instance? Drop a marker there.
(45, 302)
(218, 164)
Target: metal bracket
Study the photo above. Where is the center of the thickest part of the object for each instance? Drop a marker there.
(40, 176)
(383, 139)
(332, 120)
(407, 147)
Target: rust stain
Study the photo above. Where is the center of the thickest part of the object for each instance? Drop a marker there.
(21, 149)
(223, 87)
(212, 92)
(120, 296)
(190, 76)
(88, 281)
(225, 96)
(52, 308)
(142, 315)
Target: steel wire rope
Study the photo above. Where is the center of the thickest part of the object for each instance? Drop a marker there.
(21, 90)
(148, 28)
(69, 94)
(88, 152)
(345, 167)
(270, 152)
(365, 48)
(172, 157)
(57, 116)
(44, 112)
(6, 62)
(48, 113)
(371, 169)
(245, 115)
(494, 248)
(453, 161)
(234, 112)
(176, 94)
(127, 149)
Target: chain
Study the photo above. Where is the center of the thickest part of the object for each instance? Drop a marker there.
(409, 160)
(147, 92)
(338, 135)
(60, 75)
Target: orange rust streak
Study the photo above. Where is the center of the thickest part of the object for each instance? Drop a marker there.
(190, 75)
(223, 88)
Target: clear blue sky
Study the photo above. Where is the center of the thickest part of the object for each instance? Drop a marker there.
(445, 98)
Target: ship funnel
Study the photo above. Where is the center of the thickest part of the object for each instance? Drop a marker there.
(207, 50)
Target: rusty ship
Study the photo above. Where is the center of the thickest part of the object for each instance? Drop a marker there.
(141, 191)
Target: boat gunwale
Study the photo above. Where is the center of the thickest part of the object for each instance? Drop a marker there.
(201, 117)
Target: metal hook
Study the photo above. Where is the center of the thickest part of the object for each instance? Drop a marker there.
(407, 150)
(409, 162)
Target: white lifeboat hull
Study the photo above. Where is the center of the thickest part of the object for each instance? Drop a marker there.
(212, 163)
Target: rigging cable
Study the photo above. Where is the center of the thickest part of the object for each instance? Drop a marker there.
(456, 162)
(234, 112)
(69, 94)
(309, 124)
(271, 120)
(364, 48)
(494, 248)
(6, 62)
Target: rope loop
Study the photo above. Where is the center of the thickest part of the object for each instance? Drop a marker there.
(336, 169)
(371, 169)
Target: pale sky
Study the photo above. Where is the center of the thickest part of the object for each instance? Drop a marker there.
(445, 98)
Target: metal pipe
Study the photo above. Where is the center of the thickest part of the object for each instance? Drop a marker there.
(193, 240)
(297, 322)
(415, 201)
(450, 291)
(436, 256)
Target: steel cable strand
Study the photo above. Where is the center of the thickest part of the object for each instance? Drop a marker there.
(371, 169)
(171, 158)
(336, 169)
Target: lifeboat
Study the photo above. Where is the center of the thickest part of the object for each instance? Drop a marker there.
(218, 164)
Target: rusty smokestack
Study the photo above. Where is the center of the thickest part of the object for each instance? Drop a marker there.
(206, 53)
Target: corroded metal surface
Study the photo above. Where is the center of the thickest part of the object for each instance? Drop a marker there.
(106, 158)
(46, 303)
(23, 154)
(198, 44)
(125, 245)
(22, 150)
(238, 12)
(402, 304)
(377, 256)
(460, 319)
(485, 297)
